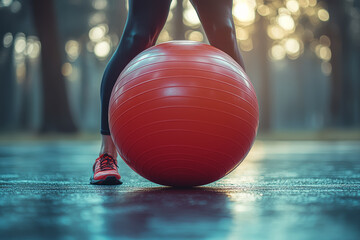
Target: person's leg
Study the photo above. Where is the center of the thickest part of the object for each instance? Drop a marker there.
(217, 21)
(145, 20)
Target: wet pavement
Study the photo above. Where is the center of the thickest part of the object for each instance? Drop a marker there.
(283, 190)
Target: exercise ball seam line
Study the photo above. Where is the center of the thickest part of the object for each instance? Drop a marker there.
(186, 77)
(207, 98)
(181, 120)
(121, 78)
(254, 131)
(177, 159)
(243, 74)
(183, 61)
(117, 95)
(183, 130)
(248, 140)
(161, 155)
(176, 106)
(184, 168)
(226, 60)
(184, 146)
(256, 110)
(201, 47)
(156, 180)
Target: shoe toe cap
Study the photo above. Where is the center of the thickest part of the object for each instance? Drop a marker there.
(105, 174)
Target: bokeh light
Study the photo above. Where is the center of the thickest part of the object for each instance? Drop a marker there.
(102, 49)
(190, 17)
(263, 10)
(293, 5)
(286, 22)
(326, 68)
(275, 32)
(72, 48)
(99, 4)
(20, 43)
(164, 36)
(292, 46)
(33, 47)
(195, 36)
(277, 52)
(98, 32)
(241, 33)
(15, 7)
(323, 15)
(244, 11)
(66, 69)
(6, 3)
(8, 40)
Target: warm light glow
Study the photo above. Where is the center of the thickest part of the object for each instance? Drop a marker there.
(66, 69)
(102, 49)
(196, 36)
(325, 53)
(263, 10)
(20, 43)
(72, 49)
(33, 47)
(304, 3)
(99, 4)
(170, 16)
(20, 72)
(326, 68)
(323, 15)
(191, 18)
(292, 5)
(277, 52)
(244, 11)
(241, 33)
(325, 40)
(173, 4)
(164, 36)
(98, 32)
(275, 32)
(292, 46)
(312, 3)
(8, 39)
(97, 18)
(246, 45)
(286, 22)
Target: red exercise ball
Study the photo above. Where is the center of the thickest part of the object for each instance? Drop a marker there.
(183, 113)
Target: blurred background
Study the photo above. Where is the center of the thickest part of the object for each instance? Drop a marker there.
(303, 57)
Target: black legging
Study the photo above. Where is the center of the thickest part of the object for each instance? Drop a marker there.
(145, 20)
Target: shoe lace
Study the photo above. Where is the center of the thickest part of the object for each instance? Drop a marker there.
(107, 162)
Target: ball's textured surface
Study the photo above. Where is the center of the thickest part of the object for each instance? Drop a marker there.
(183, 114)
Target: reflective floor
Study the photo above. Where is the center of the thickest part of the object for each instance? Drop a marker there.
(283, 190)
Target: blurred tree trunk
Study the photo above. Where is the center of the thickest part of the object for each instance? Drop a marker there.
(7, 87)
(56, 111)
(345, 61)
(265, 104)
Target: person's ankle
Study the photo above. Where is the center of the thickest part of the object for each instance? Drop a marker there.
(108, 147)
(112, 154)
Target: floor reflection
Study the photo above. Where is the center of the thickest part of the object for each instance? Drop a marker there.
(286, 190)
(160, 212)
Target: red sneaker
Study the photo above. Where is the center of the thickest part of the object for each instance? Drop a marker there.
(105, 171)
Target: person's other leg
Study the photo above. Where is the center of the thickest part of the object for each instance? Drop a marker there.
(145, 20)
(217, 21)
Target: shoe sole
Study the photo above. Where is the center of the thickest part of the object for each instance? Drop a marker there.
(110, 180)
